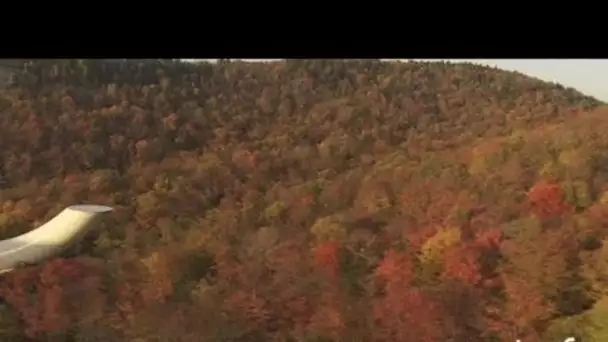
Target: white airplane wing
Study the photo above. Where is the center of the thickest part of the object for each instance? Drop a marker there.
(51, 238)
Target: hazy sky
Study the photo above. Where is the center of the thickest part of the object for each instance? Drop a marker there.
(589, 76)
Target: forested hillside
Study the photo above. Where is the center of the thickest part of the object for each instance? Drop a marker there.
(306, 201)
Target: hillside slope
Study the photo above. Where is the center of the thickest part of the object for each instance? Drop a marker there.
(305, 201)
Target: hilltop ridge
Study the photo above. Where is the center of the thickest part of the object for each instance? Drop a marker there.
(305, 200)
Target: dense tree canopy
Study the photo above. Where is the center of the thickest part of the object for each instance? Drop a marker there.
(305, 200)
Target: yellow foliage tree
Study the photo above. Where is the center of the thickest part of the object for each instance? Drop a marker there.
(372, 196)
(550, 171)
(434, 248)
(274, 211)
(577, 193)
(433, 251)
(328, 229)
(577, 163)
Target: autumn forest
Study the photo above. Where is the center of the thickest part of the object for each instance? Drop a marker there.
(306, 201)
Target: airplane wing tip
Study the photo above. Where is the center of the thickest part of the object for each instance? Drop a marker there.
(91, 208)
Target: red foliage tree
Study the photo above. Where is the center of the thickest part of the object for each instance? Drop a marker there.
(524, 312)
(54, 304)
(475, 263)
(404, 311)
(327, 320)
(546, 200)
(462, 264)
(275, 290)
(471, 272)
(326, 258)
(418, 237)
